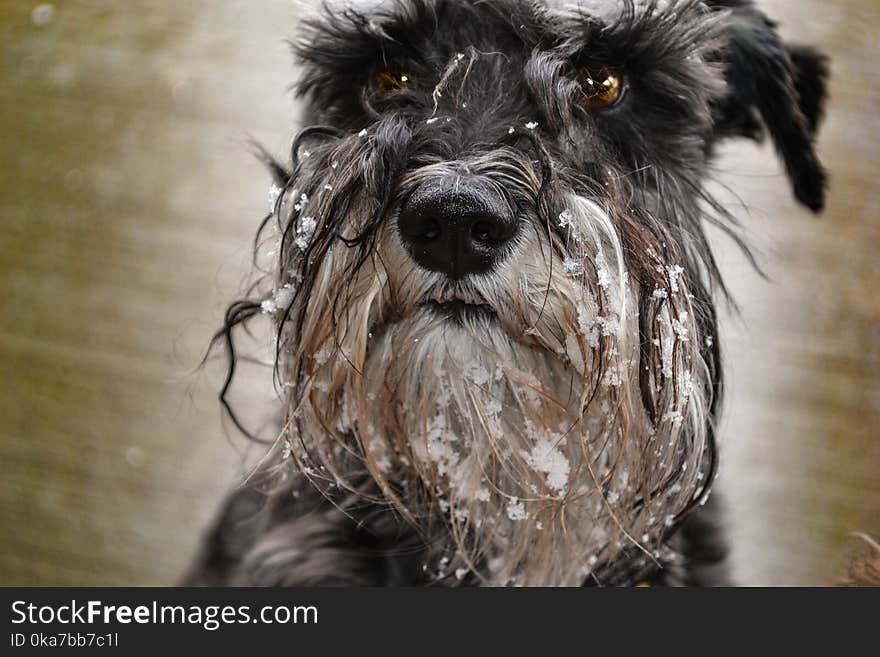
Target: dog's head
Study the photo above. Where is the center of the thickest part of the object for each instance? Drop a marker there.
(493, 289)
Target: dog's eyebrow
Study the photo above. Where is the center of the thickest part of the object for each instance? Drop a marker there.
(644, 34)
(343, 42)
(416, 27)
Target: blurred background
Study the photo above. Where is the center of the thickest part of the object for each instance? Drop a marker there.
(129, 198)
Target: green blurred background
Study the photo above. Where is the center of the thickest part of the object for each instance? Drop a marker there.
(128, 201)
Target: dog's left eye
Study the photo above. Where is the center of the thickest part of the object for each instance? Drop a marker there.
(391, 78)
(602, 86)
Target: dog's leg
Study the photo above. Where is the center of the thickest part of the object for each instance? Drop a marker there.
(296, 537)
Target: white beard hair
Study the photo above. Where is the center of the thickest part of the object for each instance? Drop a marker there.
(524, 432)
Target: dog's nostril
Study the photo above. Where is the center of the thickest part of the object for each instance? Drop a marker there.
(430, 230)
(485, 232)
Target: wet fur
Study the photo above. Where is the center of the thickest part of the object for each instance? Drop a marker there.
(561, 429)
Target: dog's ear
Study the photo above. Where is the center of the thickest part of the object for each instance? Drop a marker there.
(777, 88)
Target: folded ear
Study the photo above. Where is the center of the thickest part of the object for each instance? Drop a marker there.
(775, 88)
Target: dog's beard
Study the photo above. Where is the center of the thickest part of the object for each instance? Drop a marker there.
(492, 429)
(508, 406)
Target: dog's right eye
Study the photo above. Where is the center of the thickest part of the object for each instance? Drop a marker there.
(391, 78)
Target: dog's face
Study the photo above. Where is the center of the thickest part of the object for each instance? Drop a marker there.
(494, 289)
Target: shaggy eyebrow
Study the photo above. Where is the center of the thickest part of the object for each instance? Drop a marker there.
(406, 30)
(355, 41)
(638, 39)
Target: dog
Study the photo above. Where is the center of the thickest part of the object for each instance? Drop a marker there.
(493, 296)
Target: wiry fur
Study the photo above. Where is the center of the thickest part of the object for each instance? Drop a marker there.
(563, 421)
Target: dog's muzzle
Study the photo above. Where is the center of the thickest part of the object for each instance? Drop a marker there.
(456, 228)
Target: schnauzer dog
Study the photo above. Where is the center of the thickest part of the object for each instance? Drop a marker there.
(494, 297)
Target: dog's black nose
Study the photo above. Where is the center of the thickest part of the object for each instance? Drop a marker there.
(456, 228)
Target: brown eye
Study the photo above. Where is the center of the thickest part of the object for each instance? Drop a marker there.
(391, 78)
(602, 86)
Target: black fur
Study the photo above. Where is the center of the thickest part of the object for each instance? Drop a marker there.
(648, 157)
(784, 87)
